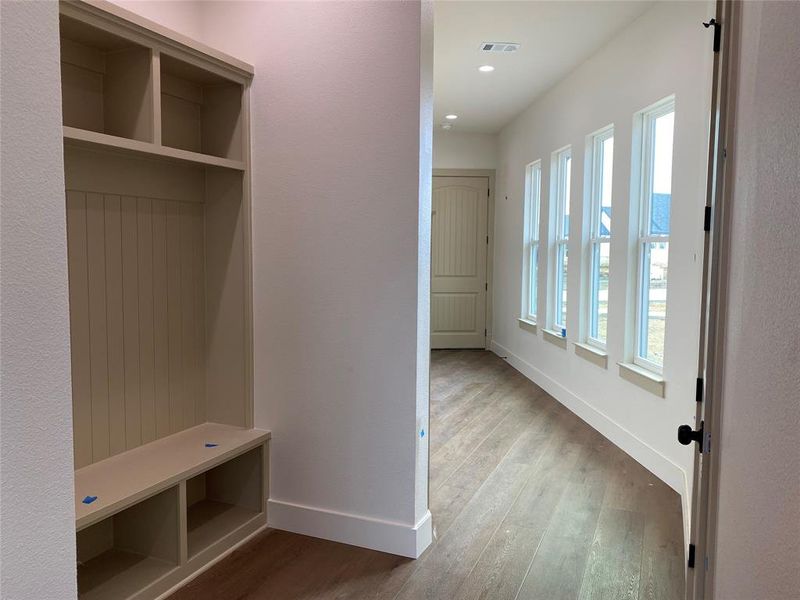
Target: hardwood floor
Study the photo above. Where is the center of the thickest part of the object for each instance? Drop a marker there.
(528, 502)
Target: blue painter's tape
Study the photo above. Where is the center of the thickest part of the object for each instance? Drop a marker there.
(563, 332)
(422, 433)
(89, 499)
(210, 445)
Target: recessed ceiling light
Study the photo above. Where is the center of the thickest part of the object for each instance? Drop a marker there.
(451, 117)
(486, 69)
(446, 126)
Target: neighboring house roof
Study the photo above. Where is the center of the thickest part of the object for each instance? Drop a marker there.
(659, 214)
(605, 220)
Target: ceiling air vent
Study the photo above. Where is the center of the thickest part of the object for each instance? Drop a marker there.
(504, 47)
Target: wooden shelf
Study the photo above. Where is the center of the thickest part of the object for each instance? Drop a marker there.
(209, 521)
(132, 25)
(106, 81)
(127, 478)
(101, 141)
(119, 574)
(130, 551)
(201, 111)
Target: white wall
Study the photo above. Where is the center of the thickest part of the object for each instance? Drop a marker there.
(664, 52)
(758, 528)
(456, 150)
(37, 519)
(341, 210)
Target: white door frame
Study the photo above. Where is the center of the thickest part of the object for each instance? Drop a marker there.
(715, 300)
(483, 174)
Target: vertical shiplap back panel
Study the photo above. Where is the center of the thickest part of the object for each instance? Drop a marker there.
(147, 390)
(174, 310)
(116, 351)
(160, 319)
(131, 300)
(79, 327)
(199, 298)
(137, 294)
(188, 342)
(98, 326)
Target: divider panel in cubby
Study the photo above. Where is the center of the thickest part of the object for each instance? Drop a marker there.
(200, 110)
(106, 82)
(129, 551)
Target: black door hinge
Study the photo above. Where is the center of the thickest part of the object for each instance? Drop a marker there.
(690, 562)
(486, 286)
(717, 32)
(698, 394)
(707, 219)
(487, 239)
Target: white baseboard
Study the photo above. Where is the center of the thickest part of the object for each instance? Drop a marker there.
(356, 530)
(650, 458)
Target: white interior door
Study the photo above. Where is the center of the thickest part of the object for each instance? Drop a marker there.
(458, 262)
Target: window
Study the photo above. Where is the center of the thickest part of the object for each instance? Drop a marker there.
(601, 160)
(654, 227)
(533, 193)
(560, 214)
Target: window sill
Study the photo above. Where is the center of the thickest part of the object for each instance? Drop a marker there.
(527, 325)
(555, 338)
(592, 354)
(647, 380)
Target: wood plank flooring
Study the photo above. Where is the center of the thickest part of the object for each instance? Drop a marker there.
(528, 502)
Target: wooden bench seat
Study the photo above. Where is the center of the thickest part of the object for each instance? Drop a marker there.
(129, 477)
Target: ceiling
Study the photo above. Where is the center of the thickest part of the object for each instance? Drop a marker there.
(555, 37)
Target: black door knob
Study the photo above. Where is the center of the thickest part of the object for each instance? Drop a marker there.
(687, 435)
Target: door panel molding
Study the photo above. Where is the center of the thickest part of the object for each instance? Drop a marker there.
(451, 336)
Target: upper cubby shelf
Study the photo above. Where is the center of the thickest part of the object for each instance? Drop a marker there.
(131, 85)
(106, 82)
(101, 141)
(200, 110)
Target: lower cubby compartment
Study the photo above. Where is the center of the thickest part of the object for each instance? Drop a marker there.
(223, 499)
(124, 554)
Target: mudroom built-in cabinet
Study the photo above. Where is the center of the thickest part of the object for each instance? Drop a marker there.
(170, 473)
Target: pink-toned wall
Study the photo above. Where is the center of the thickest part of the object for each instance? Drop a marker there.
(183, 16)
(758, 528)
(341, 145)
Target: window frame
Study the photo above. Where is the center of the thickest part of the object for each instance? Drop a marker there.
(531, 240)
(647, 120)
(561, 190)
(595, 238)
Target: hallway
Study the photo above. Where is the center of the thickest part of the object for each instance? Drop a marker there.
(528, 502)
